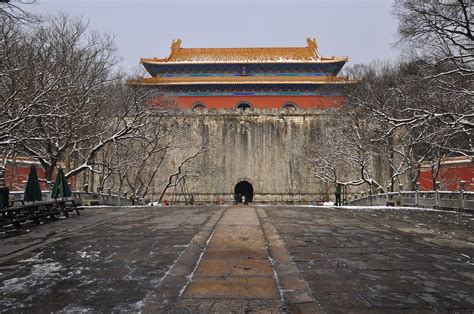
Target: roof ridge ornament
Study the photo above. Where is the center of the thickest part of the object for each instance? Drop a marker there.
(301, 54)
(175, 44)
(313, 45)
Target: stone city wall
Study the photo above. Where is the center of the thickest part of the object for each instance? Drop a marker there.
(263, 147)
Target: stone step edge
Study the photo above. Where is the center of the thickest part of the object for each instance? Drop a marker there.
(295, 290)
(169, 289)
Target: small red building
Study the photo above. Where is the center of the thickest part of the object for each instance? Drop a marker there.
(17, 170)
(452, 171)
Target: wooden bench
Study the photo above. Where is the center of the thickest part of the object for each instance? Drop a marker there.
(13, 202)
(17, 214)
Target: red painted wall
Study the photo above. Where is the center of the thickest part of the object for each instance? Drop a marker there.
(260, 102)
(16, 176)
(449, 175)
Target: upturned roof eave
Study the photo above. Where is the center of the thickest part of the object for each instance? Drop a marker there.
(263, 82)
(165, 62)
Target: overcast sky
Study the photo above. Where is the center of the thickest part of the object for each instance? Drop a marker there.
(363, 30)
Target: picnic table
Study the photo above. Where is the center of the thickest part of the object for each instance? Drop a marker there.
(14, 215)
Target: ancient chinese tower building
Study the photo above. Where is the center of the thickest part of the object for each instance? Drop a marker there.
(288, 97)
(241, 78)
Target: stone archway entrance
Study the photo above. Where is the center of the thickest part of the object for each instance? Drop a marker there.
(243, 106)
(244, 188)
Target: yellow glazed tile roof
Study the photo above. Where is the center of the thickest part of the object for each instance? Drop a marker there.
(308, 54)
(232, 80)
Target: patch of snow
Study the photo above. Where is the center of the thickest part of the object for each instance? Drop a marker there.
(91, 254)
(74, 273)
(71, 308)
(87, 282)
(10, 303)
(39, 274)
(34, 259)
(362, 207)
(191, 275)
(154, 204)
(277, 279)
(114, 206)
(110, 256)
(141, 304)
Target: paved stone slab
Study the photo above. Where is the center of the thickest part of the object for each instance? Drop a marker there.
(106, 260)
(247, 275)
(294, 288)
(228, 306)
(238, 238)
(166, 293)
(232, 287)
(371, 260)
(234, 267)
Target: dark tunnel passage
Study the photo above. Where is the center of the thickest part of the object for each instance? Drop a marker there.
(244, 188)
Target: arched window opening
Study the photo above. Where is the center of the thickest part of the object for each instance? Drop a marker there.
(289, 106)
(199, 106)
(244, 106)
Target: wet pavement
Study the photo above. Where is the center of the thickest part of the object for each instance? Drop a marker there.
(241, 259)
(390, 260)
(105, 260)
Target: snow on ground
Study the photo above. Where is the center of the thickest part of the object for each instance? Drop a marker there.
(368, 207)
(72, 308)
(37, 258)
(40, 273)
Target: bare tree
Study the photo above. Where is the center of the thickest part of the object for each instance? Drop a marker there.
(441, 39)
(411, 118)
(158, 156)
(145, 155)
(441, 32)
(327, 156)
(13, 11)
(184, 169)
(346, 153)
(17, 99)
(13, 113)
(72, 72)
(62, 103)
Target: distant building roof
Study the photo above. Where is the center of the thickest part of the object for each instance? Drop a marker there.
(308, 54)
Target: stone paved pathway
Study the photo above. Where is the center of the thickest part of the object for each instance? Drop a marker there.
(235, 264)
(241, 259)
(234, 271)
